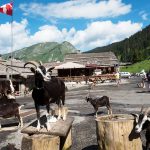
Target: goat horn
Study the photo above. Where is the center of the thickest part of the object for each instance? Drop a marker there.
(142, 108)
(147, 111)
(34, 63)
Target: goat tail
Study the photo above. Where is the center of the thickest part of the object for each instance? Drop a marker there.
(21, 106)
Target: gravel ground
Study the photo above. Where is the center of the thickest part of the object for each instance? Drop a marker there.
(124, 99)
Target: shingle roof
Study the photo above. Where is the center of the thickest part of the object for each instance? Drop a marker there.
(103, 58)
(13, 67)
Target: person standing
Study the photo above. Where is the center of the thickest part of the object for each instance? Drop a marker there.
(148, 79)
(117, 76)
(144, 76)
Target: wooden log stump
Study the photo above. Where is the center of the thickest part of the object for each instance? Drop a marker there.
(60, 129)
(66, 142)
(40, 142)
(116, 132)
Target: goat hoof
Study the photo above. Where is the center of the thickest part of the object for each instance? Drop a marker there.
(52, 119)
(64, 118)
(48, 126)
(39, 128)
(59, 117)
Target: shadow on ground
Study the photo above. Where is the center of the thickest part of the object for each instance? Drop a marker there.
(91, 147)
(148, 92)
(9, 147)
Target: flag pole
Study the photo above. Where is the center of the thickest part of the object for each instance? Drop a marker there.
(11, 40)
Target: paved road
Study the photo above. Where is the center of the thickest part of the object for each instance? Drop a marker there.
(124, 99)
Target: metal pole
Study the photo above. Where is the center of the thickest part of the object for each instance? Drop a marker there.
(11, 60)
(11, 43)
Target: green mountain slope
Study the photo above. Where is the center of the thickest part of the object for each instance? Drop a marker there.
(46, 52)
(133, 49)
(138, 67)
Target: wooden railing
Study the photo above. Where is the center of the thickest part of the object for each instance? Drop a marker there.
(101, 78)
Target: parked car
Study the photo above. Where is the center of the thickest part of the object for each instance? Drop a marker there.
(98, 72)
(125, 74)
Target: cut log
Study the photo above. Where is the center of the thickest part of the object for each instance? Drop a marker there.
(116, 132)
(60, 129)
(66, 142)
(40, 142)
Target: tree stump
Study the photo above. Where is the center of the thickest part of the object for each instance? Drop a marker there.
(116, 132)
(40, 142)
(66, 142)
(58, 138)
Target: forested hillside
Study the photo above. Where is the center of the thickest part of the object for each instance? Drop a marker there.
(133, 49)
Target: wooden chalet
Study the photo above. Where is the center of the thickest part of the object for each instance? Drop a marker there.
(106, 61)
(74, 65)
(14, 69)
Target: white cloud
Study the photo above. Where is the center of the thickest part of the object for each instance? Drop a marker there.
(104, 33)
(19, 34)
(144, 15)
(94, 35)
(88, 9)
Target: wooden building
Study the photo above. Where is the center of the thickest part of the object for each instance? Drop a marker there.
(14, 69)
(23, 77)
(106, 61)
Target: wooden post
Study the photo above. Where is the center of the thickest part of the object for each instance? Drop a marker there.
(116, 132)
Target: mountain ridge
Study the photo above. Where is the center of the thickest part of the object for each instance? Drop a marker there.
(46, 52)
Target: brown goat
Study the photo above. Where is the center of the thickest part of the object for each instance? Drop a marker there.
(9, 108)
(97, 102)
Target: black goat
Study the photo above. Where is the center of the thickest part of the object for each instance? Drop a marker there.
(47, 90)
(97, 102)
(9, 108)
(142, 121)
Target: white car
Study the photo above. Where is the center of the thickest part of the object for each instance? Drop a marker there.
(98, 72)
(125, 74)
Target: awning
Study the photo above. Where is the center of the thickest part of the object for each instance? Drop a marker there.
(69, 65)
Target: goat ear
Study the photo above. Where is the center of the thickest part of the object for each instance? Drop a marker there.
(32, 69)
(50, 69)
(134, 115)
(148, 118)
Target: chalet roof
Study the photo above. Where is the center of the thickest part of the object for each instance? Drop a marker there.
(103, 58)
(14, 67)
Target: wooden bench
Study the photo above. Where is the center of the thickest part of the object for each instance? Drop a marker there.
(58, 138)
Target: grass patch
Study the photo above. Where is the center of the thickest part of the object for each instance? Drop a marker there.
(137, 67)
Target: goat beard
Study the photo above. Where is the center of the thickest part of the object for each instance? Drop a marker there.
(10, 96)
(46, 78)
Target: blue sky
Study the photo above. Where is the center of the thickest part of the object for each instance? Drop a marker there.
(86, 24)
